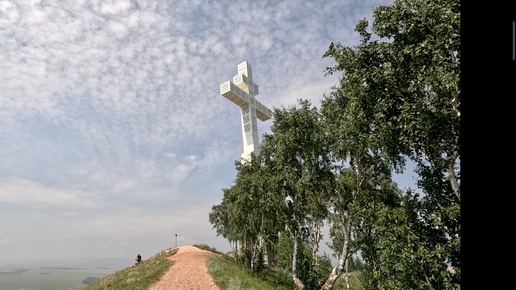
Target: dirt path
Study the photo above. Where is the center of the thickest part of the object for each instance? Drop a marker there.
(189, 271)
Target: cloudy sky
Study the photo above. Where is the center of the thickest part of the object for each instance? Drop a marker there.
(113, 134)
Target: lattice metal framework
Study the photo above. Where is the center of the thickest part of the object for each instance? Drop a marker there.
(242, 92)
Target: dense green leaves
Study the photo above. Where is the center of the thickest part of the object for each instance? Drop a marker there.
(402, 89)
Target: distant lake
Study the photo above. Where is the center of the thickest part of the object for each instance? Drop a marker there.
(69, 274)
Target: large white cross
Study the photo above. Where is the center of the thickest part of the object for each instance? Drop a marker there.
(242, 92)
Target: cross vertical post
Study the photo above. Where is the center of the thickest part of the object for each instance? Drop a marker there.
(242, 92)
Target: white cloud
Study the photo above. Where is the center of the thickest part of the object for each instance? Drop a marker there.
(8, 240)
(26, 193)
(111, 116)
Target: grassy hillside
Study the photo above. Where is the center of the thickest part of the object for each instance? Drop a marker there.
(225, 272)
(228, 275)
(138, 277)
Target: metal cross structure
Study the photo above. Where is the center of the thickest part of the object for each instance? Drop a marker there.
(242, 92)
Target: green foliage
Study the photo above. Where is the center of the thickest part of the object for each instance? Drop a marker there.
(250, 210)
(297, 156)
(219, 218)
(285, 252)
(355, 264)
(207, 248)
(354, 282)
(321, 269)
(311, 273)
(137, 277)
(399, 97)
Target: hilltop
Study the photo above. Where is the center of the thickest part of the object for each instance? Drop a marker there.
(196, 267)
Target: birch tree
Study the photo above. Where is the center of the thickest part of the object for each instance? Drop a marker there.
(405, 78)
(297, 153)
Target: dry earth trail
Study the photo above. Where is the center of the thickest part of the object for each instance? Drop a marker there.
(189, 271)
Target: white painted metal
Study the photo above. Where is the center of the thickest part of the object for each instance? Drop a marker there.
(242, 92)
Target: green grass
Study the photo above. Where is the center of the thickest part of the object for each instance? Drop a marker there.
(207, 248)
(137, 277)
(228, 275)
(354, 283)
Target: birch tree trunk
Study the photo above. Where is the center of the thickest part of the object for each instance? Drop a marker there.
(337, 271)
(235, 250)
(299, 284)
(263, 247)
(316, 229)
(453, 176)
(346, 274)
(255, 251)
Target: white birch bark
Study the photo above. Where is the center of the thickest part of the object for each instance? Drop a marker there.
(337, 270)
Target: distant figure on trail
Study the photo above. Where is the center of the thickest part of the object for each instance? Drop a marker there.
(138, 259)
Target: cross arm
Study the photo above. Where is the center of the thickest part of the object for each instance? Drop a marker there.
(243, 82)
(263, 113)
(238, 96)
(235, 94)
